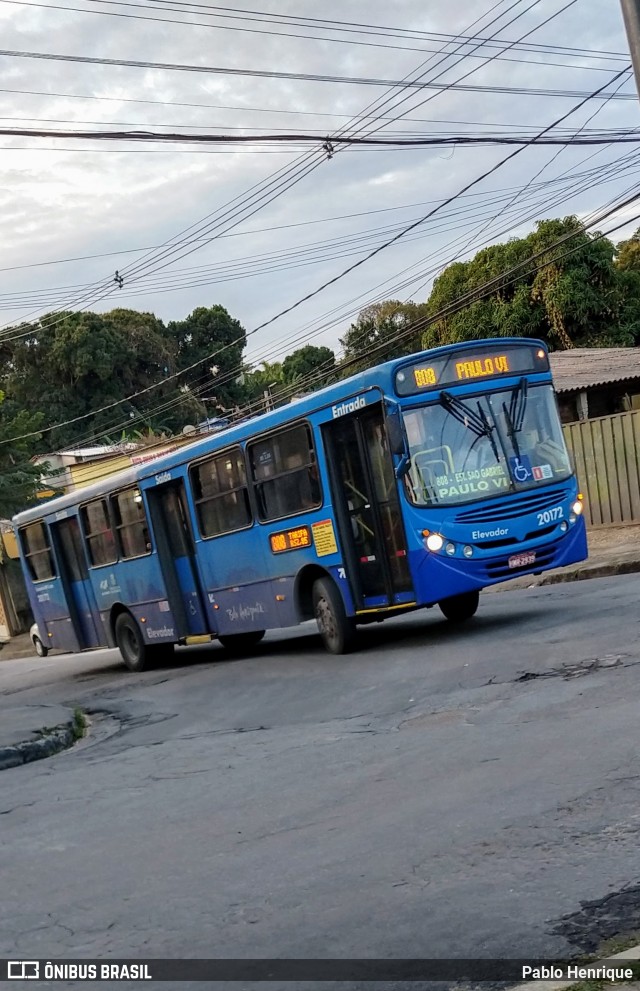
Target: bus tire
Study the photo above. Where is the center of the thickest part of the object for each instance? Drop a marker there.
(460, 608)
(39, 647)
(237, 643)
(337, 630)
(136, 655)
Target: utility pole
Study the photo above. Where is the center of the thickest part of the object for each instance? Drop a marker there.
(631, 14)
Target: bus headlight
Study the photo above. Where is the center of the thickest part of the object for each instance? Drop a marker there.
(435, 542)
(577, 508)
(564, 526)
(450, 549)
(467, 550)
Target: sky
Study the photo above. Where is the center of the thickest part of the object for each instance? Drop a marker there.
(63, 200)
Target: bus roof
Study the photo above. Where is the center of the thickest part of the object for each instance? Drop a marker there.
(380, 376)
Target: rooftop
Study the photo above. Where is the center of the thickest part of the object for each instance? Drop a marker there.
(582, 368)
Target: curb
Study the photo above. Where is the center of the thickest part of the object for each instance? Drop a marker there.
(61, 738)
(633, 953)
(597, 571)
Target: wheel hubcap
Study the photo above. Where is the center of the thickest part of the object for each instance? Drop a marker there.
(326, 619)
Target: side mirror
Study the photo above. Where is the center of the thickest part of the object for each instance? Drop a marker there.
(395, 433)
(397, 439)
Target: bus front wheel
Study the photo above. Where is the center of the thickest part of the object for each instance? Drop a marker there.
(337, 630)
(460, 608)
(236, 643)
(135, 653)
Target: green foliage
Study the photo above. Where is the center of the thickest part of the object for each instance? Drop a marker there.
(381, 332)
(213, 341)
(73, 363)
(579, 298)
(628, 254)
(18, 477)
(303, 363)
(267, 377)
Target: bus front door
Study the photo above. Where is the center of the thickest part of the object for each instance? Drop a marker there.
(74, 573)
(174, 541)
(365, 495)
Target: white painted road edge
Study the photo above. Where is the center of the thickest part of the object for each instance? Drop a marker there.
(633, 953)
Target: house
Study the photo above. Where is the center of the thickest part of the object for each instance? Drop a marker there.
(593, 382)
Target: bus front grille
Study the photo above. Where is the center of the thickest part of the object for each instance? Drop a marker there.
(533, 502)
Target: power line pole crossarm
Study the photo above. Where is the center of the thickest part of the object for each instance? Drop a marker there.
(631, 15)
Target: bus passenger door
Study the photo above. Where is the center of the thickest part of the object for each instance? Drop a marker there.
(365, 495)
(74, 573)
(174, 541)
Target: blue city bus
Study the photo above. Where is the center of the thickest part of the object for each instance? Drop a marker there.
(413, 484)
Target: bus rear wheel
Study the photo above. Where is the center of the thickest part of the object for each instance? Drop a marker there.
(460, 608)
(337, 630)
(237, 643)
(135, 653)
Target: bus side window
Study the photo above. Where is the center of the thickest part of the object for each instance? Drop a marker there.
(99, 535)
(131, 523)
(37, 551)
(285, 473)
(221, 494)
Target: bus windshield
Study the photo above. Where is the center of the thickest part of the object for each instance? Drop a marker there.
(478, 447)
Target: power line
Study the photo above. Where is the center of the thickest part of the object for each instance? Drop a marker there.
(302, 76)
(99, 290)
(351, 41)
(477, 294)
(459, 140)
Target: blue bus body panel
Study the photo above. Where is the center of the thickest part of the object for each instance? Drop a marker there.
(91, 627)
(196, 619)
(51, 613)
(437, 576)
(136, 583)
(245, 586)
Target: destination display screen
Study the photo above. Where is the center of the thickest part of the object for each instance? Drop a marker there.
(290, 540)
(471, 365)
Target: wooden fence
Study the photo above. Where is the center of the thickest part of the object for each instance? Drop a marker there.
(606, 455)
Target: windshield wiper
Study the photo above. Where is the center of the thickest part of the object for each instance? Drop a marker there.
(514, 416)
(477, 423)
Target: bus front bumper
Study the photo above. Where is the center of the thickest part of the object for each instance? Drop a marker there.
(439, 577)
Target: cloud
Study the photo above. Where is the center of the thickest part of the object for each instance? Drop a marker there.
(63, 201)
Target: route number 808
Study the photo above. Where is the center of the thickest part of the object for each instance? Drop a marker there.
(550, 515)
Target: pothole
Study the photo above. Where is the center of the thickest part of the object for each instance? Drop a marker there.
(578, 670)
(48, 741)
(616, 915)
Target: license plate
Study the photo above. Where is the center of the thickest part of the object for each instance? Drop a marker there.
(522, 560)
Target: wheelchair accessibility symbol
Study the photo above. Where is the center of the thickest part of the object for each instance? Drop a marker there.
(521, 468)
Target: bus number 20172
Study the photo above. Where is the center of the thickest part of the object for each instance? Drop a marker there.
(550, 515)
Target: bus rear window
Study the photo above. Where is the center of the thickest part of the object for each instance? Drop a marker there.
(131, 524)
(99, 533)
(221, 494)
(37, 551)
(285, 474)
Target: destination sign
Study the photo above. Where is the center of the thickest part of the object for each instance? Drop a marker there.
(469, 366)
(290, 540)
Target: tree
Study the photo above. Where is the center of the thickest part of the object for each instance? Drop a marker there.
(381, 332)
(300, 366)
(213, 341)
(628, 254)
(73, 364)
(18, 476)
(76, 366)
(266, 378)
(572, 295)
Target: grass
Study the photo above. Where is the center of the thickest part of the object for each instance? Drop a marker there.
(78, 724)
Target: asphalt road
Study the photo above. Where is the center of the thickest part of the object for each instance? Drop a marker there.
(469, 792)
